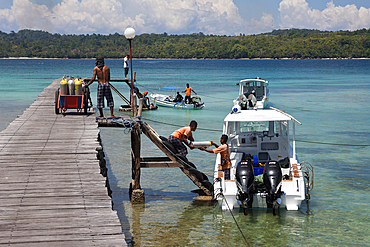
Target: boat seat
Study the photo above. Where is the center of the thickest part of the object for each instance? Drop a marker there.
(259, 92)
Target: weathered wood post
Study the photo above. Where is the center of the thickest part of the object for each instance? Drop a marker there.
(141, 103)
(136, 193)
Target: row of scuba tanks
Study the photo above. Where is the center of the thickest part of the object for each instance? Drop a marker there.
(71, 86)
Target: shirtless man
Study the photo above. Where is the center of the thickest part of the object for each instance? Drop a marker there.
(223, 150)
(103, 74)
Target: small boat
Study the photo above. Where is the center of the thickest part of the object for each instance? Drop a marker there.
(253, 94)
(167, 100)
(265, 171)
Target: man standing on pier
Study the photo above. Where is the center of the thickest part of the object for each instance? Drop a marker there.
(103, 73)
(181, 136)
(125, 65)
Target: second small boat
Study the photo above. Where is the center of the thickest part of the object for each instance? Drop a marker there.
(169, 100)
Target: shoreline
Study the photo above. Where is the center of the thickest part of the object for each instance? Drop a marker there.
(284, 58)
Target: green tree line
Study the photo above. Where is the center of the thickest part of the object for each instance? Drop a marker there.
(290, 43)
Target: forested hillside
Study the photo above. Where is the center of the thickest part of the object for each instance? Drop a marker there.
(292, 43)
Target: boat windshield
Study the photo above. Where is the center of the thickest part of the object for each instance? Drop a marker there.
(243, 127)
(249, 86)
(254, 126)
(236, 128)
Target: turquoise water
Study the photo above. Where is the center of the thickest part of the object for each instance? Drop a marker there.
(329, 98)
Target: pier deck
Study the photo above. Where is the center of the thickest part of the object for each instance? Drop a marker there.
(51, 190)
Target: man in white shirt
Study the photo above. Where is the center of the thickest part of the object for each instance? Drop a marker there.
(125, 65)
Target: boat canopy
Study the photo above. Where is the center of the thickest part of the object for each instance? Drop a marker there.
(254, 82)
(170, 88)
(259, 86)
(261, 115)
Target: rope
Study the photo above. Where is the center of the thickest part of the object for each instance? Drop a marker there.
(177, 125)
(291, 107)
(312, 142)
(240, 230)
(337, 144)
(127, 123)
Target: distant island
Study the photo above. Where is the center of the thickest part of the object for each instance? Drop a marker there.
(278, 44)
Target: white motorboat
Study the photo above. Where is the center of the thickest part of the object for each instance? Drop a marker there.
(167, 100)
(253, 94)
(265, 170)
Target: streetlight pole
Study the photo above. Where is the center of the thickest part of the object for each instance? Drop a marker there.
(130, 35)
(136, 193)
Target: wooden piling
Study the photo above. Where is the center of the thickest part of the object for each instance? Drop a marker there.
(136, 193)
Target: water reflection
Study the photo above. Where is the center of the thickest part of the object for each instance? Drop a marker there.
(260, 227)
(204, 224)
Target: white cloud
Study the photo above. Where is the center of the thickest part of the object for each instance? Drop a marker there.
(173, 16)
(263, 25)
(146, 16)
(298, 14)
(7, 20)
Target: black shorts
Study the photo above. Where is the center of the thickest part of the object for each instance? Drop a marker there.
(226, 173)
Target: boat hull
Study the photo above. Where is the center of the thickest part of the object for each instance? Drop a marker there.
(165, 101)
(291, 199)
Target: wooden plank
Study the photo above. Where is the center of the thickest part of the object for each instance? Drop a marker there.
(51, 190)
(154, 159)
(159, 164)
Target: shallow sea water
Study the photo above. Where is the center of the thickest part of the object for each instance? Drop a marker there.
(329, 98)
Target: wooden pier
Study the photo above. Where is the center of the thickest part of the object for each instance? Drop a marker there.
(51, 189)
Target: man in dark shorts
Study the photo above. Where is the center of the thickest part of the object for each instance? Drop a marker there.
(188, 90)
(223, 150)
(103, 73)
(125, 65)
(181, 136)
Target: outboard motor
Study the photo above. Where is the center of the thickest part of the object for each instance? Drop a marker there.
(197, 102)
(244, 181)
(272, 179)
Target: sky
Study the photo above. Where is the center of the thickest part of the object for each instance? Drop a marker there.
(218, 17)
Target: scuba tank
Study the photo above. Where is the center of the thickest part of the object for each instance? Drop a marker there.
(201, 144)
(64, 86)
(71, 86)
(78, 86)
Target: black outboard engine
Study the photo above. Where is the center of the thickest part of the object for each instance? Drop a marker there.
(197, 102)
(244, 181)
(272, 179)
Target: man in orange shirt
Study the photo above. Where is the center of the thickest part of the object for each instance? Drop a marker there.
(223, 150)
(181, 136)
(188, 90)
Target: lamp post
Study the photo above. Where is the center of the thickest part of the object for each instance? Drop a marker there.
(130, 35)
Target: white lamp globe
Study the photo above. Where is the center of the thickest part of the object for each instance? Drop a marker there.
(130, 33)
